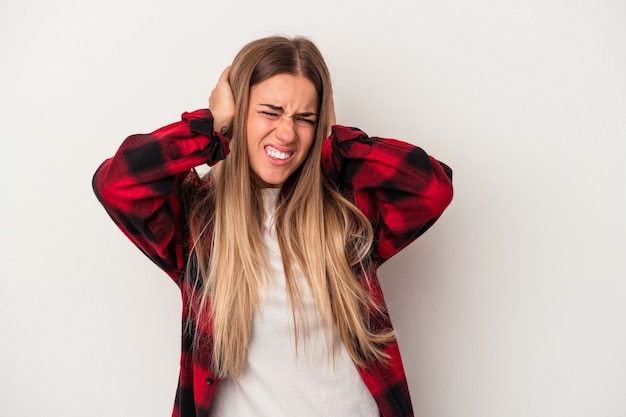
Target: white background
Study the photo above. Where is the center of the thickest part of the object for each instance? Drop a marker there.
(512, 305)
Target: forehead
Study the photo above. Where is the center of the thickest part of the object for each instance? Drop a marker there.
(293, 92)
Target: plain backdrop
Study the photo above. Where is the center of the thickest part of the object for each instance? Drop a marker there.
(512, 305)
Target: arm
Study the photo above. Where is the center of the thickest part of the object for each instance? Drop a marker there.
(401, 189)
(140, 187)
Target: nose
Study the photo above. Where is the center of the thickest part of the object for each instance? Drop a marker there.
(285, 130)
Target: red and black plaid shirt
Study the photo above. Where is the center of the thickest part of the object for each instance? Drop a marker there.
(397, 185)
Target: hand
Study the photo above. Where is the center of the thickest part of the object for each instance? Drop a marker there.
(222, 103)
(333, 117)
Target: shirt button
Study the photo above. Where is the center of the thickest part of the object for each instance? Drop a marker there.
(209, 381)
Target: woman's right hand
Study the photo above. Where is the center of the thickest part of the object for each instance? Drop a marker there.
(222, 103)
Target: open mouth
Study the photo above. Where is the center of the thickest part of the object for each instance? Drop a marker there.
(276, 154)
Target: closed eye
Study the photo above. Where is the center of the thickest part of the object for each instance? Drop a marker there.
(305, 120)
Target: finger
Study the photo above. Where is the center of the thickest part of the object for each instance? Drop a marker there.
(332, 114)
(225, 75)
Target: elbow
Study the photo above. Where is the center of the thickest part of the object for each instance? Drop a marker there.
(440, 192)
(97, 183)
(440, 195)
(107, 189)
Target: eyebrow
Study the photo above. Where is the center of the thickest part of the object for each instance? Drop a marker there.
(282, 110)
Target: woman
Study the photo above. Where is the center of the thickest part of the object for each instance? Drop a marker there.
(276, 249)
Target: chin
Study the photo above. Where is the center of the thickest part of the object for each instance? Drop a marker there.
(272, 182)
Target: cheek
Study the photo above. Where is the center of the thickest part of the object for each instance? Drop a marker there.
(306, 147)
(307, 142)
(258, 128)
(254, 132)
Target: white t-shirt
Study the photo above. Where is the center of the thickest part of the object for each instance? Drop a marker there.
(276, 382)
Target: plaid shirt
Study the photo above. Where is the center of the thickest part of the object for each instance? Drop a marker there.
(398, 186)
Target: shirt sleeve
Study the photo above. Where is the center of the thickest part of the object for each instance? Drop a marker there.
(400, 188)
(140, 187)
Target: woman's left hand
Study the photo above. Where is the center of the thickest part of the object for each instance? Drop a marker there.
(333, 117)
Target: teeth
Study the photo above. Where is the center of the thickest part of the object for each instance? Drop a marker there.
(276, 154)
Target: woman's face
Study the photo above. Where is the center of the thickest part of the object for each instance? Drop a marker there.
(282, 118)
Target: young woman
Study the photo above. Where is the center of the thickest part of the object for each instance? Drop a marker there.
(275, 250)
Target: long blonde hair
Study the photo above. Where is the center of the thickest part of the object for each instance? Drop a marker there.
(320, 232)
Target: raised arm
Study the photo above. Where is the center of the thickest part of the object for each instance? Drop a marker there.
(140, 187)
(400, 188)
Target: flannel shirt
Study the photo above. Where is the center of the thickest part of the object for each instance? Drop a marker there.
(401, 189)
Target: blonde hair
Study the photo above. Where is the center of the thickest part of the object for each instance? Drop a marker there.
(320, 232)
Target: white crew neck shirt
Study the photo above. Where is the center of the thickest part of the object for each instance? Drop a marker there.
(276, 382)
